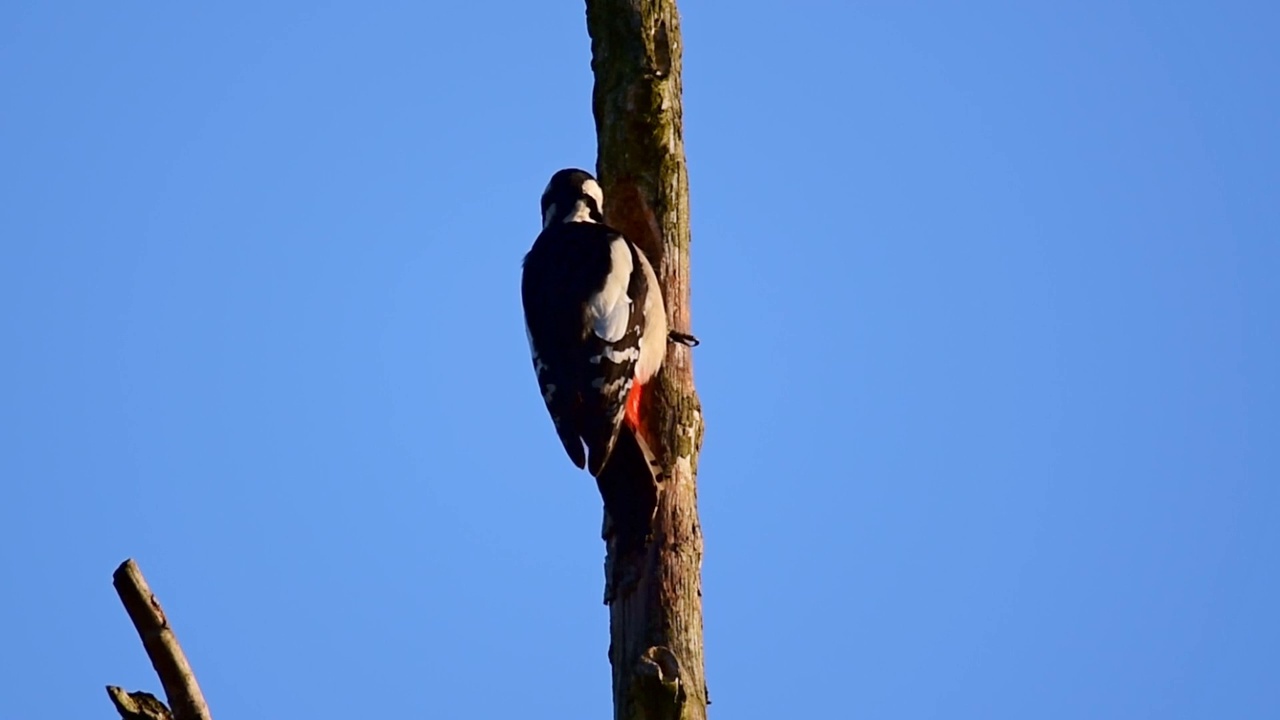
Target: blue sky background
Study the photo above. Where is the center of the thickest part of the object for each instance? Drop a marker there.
(988, 295)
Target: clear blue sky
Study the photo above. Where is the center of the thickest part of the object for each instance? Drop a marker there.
(988, 296)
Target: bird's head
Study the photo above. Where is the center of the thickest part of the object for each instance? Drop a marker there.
(572, 196)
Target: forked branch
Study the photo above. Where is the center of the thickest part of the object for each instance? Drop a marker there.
(170, 664)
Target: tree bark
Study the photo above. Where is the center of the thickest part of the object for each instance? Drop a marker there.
(656, 610)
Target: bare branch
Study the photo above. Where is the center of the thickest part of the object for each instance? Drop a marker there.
(171, 665)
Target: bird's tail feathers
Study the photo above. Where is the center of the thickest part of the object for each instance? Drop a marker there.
(600, 446)
(628, 485)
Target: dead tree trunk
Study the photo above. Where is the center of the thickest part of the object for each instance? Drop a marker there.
(655, 616)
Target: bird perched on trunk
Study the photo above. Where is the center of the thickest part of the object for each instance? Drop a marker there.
(595, 319)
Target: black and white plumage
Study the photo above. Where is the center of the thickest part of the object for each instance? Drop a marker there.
(595, 318)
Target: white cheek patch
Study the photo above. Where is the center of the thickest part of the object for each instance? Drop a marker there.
(592, 188)
(581, 213)
(608, 309)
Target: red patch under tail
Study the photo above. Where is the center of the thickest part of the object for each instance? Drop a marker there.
(632, 416)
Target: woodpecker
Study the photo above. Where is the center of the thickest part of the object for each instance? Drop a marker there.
(595, 320)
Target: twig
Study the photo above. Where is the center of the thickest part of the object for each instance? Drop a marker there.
(171, 665)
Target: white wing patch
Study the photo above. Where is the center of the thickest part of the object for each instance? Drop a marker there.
(549, 389)
(617, 357)
(609, 309)
(538, 365)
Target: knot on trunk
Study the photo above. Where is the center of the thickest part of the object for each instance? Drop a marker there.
(658, 690)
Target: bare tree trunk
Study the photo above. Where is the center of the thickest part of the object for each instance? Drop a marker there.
(656, 609)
